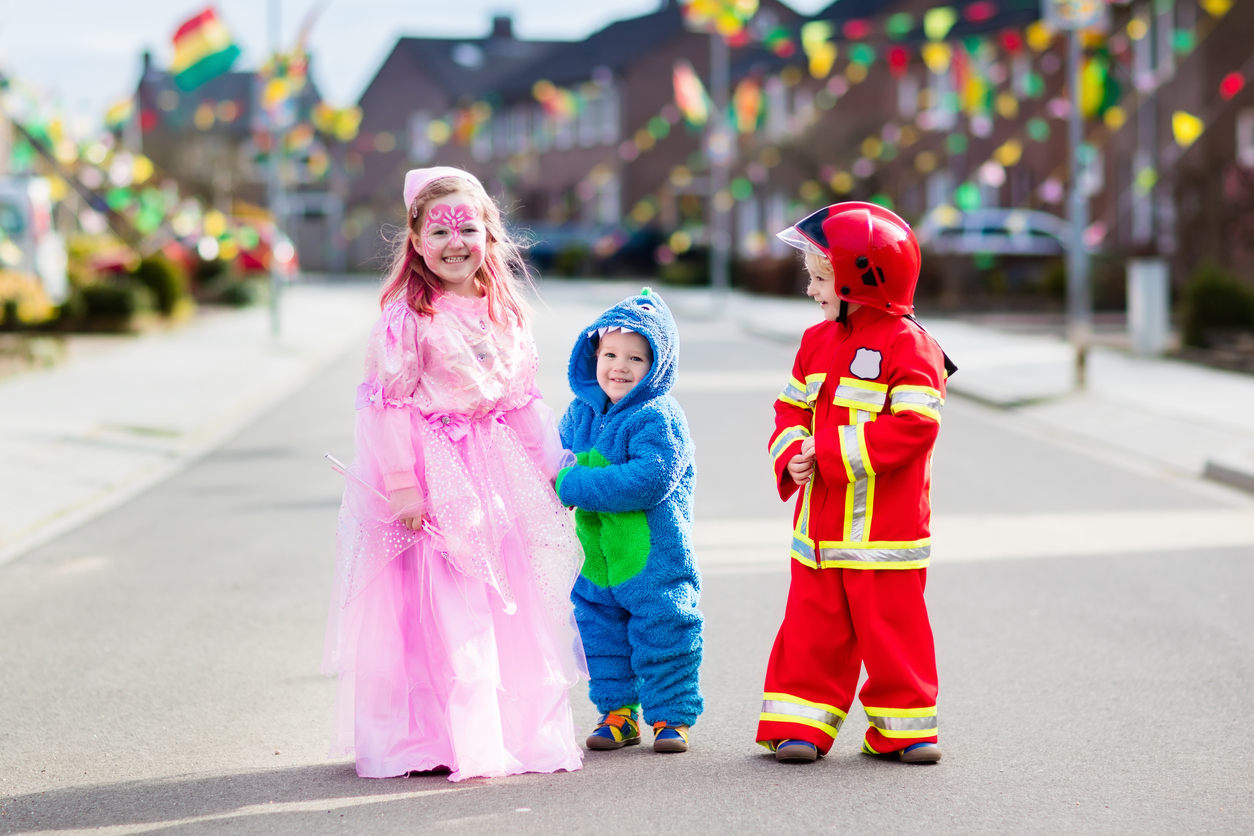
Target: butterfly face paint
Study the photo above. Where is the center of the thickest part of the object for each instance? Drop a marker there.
(452, 243)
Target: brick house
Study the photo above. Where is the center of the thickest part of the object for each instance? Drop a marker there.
(207, 139)
(560, 177)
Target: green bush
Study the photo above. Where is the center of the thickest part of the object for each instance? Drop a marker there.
(165, 279)
(110, 300)
(234, 291)
(1215, 300)
(111, 305)
(573, 260)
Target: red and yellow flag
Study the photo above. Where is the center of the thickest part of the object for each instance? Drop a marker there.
(203, 49)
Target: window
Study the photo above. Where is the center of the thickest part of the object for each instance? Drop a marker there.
(907, 95)
(588, 122)
(1245, 137)
(776, 109)
(421, 148)
(609, 114)
(940, 187)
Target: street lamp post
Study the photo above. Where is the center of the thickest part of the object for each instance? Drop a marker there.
(275, 184)
(1079, 297)
(719, 148)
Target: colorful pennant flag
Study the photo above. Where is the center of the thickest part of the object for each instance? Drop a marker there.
(1186, 128)
(747, 105)
(203, 50)
(937, 57)
(690, 95)
(119, 113)
(726, 17)
(816, 40)
(937, 22)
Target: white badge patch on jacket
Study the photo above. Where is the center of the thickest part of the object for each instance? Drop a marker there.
(866, 364)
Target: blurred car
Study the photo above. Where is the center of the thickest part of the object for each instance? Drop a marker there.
(947, 230)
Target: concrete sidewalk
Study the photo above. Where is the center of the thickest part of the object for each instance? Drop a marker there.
(82, 437)
(1178, 417)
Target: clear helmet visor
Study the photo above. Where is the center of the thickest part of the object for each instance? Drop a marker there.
(793, 238)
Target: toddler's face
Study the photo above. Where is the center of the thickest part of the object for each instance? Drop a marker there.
(452, 242)
(623, 360)
(823, 290)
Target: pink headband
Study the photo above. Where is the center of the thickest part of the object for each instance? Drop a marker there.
(417, 179)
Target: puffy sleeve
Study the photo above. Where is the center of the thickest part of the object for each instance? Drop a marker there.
(394, 362)
(536, 426)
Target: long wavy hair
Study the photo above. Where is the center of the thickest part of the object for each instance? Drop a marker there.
(501, 277)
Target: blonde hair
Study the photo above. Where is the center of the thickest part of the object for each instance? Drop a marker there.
(501, 276)
(819, 266)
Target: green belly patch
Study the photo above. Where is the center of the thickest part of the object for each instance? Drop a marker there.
(615, 546)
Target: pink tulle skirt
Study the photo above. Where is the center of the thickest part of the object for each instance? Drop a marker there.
(443, 666)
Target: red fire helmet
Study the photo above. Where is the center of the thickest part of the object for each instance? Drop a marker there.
(873, 252)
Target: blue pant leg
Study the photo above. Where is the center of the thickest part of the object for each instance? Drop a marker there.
(666, 641)
(603, 627)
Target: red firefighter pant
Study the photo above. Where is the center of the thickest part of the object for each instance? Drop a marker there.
(836, 621)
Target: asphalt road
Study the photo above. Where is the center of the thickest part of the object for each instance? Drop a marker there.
(158, 666)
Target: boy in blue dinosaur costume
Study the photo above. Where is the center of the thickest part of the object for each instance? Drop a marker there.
(636, 599)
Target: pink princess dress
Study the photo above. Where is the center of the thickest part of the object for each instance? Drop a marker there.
(454, 646)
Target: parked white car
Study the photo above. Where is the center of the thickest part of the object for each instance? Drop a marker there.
(947, 230)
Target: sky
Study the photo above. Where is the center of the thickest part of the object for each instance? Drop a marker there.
(86, 53)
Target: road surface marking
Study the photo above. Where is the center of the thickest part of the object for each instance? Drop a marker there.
(739, 545)
(314, 806)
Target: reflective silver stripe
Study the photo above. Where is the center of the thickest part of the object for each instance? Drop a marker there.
(804, 527)
(793, 393)
(812, 390)
(853, 453)
(803, 548)
(857, 521)
(852, 393)
(862, 416)
(831, 555)
(810, 712)
(920, 398)
(788, 437)
(902, 723)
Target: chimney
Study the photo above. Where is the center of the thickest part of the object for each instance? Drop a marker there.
(502, 27)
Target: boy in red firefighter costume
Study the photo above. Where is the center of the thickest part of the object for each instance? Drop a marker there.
(854, 432)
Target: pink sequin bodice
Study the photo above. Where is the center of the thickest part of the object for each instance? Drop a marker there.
(458, 361)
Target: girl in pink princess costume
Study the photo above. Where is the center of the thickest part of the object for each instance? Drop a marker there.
(451, 627)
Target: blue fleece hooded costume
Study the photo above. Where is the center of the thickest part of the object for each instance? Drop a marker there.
(636, 598)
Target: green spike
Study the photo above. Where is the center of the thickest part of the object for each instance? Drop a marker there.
(646, 291)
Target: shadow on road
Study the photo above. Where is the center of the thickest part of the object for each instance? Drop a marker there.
(311, 793)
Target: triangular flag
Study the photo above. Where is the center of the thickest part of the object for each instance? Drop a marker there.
(1186, 128)
(690, 95)
(937, 57)
(1216, 8)
(938, 22)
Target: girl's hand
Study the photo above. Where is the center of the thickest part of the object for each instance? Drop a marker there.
(801, 468)
(807, 448)
(407, 506)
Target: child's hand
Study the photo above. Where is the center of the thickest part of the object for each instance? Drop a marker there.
(801, 469)
(407, 507)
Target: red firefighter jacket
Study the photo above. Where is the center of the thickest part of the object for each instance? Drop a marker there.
(870, 392)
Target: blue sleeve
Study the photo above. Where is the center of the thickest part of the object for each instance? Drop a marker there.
(659, 452)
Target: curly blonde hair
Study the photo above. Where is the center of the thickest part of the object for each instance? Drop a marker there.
(819, 266)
